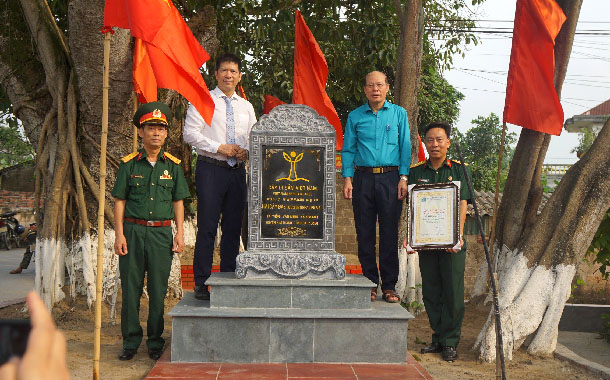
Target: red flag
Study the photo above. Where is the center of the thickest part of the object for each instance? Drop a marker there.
(310, 74)
(421, 153)
(144, 81)
(175, 54)
(270, 103)
(531, 99)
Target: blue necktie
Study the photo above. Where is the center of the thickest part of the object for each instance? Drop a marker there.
(230, 129)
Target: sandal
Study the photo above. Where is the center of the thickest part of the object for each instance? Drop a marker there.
(373, 294)
(390, 296)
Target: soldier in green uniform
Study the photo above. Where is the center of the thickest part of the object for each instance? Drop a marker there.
(442, 271)
(148, 194)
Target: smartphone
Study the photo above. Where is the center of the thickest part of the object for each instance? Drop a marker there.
(14, 335)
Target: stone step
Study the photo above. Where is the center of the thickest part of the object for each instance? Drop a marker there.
(353, 292)
(201, 333)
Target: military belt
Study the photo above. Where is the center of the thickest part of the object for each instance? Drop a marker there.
(377, 169)
(149, 223)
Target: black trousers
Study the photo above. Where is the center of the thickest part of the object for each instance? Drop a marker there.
(220, 191)
(375, 197)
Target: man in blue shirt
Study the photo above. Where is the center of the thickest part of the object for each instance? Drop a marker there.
(376, 157)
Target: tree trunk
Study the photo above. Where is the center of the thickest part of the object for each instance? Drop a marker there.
(408, 70)
(538, 255)
(54, 85)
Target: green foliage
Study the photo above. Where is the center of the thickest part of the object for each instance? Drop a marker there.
(355, 36)
(480, 146)
(585, 140)
(14, 146)
(437, 99)
(600, 246)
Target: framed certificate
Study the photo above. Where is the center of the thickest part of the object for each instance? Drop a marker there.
(434, 211)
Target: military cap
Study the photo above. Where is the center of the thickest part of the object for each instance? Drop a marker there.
(152, 113)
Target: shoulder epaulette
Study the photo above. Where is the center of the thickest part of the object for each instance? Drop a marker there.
(174, 159)
(458, 162)
(418, 164)
(129, 157)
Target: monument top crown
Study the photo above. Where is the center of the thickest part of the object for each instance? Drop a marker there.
(294, 118)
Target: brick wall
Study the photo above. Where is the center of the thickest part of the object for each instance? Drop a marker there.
(345, 230)
(16, 200)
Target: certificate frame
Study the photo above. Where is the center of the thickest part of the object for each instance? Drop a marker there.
(429, 226)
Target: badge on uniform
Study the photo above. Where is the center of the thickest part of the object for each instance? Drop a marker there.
(450, 178)
(166, 175)
(425, 180)
(136, 176)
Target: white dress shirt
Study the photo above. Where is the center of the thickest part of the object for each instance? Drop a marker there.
(206, 139)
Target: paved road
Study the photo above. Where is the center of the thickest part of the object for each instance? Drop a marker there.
(14, 286)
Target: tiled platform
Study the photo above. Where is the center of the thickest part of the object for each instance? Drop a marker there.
(166, 370)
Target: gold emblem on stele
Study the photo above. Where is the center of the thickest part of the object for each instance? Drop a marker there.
(293, 159)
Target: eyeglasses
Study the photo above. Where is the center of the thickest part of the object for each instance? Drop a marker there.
(372, 86)
(438, 140)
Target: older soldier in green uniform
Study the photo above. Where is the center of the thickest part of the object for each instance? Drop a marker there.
(148, 194)
(442, 271)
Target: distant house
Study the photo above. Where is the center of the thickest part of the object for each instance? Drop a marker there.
(593, 118)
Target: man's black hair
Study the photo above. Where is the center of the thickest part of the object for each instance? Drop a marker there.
(228, 57)
(438, 124)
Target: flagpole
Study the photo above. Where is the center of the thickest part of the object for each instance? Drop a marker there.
(100, 210)
(135, 129)
(492, 279)
(492, 233)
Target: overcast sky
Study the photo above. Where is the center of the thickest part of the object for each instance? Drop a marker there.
(481, 75)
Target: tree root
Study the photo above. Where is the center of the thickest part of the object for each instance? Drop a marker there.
(531, 300)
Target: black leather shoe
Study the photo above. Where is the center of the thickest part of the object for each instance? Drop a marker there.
(155, 354)
(449, 354)
(202, 292)
(434, 348)
(127, 354)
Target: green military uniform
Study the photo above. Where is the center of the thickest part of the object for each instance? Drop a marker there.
(443, 272)
(149, 192)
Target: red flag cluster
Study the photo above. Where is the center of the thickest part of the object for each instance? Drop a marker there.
(531, 99)
(310, 74)
(166, 53)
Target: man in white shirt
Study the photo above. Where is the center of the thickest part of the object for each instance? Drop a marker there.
(220, 176)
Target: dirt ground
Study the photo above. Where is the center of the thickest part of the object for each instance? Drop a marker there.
(76, 321)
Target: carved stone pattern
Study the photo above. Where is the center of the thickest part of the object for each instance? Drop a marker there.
(262, 136)
(290, 265)
(294, 118)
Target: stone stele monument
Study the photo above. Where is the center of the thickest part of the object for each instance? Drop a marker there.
(289, 299)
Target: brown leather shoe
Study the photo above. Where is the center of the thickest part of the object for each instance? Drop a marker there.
(16, 271)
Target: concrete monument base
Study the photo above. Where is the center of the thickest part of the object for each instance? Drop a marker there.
(294, 321)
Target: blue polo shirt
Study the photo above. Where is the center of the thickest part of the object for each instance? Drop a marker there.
(376, 139)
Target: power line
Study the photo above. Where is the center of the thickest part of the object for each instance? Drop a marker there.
(502, 92)
(511, 21)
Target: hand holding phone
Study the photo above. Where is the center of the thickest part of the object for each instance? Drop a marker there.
(45, 354)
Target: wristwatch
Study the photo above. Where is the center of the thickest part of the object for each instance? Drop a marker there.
(404, 178)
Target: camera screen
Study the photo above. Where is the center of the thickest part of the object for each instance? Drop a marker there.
(13, 338)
